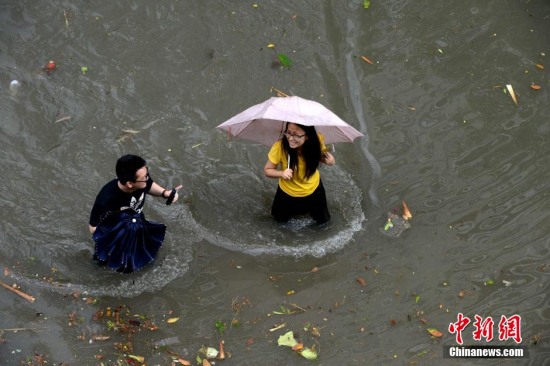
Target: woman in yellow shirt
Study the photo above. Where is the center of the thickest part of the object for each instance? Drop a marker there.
(300, 190)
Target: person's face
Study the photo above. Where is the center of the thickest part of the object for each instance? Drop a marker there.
(142, 176)
(295, 135)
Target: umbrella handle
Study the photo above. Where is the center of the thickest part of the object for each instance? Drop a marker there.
(288, 161)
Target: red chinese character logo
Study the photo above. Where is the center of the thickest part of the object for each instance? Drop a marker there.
(459, 326)
(510, 328)
(484, 328)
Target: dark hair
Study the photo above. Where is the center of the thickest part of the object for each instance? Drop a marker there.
(127, 167)
(311, 150)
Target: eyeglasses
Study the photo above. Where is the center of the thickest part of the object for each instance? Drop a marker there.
(294, 136)
(145, 179)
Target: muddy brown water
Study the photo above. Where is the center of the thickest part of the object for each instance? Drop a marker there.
(441, 132)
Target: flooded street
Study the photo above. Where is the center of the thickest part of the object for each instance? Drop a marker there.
(425, 82)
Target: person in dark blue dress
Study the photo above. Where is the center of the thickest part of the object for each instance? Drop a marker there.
(124, 239)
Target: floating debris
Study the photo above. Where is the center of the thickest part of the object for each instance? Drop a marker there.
(66, 118)
(406, 212)
(18, 292)
(50, 67)
(512, 93)
(367, 60)
(395, 225)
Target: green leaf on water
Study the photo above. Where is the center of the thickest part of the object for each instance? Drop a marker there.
(287, 339)
(284, 60)
(309, 353)
(220, 326)
(366, 4)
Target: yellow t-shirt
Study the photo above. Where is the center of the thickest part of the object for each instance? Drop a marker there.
(298, 186)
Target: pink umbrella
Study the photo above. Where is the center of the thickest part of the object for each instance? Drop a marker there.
(266, 122)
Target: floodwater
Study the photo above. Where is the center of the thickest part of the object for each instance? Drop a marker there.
(441, 132)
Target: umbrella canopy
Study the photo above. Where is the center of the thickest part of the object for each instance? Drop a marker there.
(265, 122)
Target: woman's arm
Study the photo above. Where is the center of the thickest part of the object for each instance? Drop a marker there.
(270, 170)
(328, 159)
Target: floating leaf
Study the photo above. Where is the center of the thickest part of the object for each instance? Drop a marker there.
(512, 93)
(220, 326)
(137, 358)
(172, 320)
(535, 87)
(271, 45)
(287, 339)
(489, 282)
(211, 352)
(434, 332)
(366, 60)
(361, 281)
(298, 347)
(388, 225)
(366, 4)
(284, 60)
(208, 352)
(309, 353)
(539, 66)
(406, 212)
(84, 69)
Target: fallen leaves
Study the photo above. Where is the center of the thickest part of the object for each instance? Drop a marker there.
(366, 59)
(406, 212)
(512, 93)
(288, 340)
(361, 281)
(434, 332)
